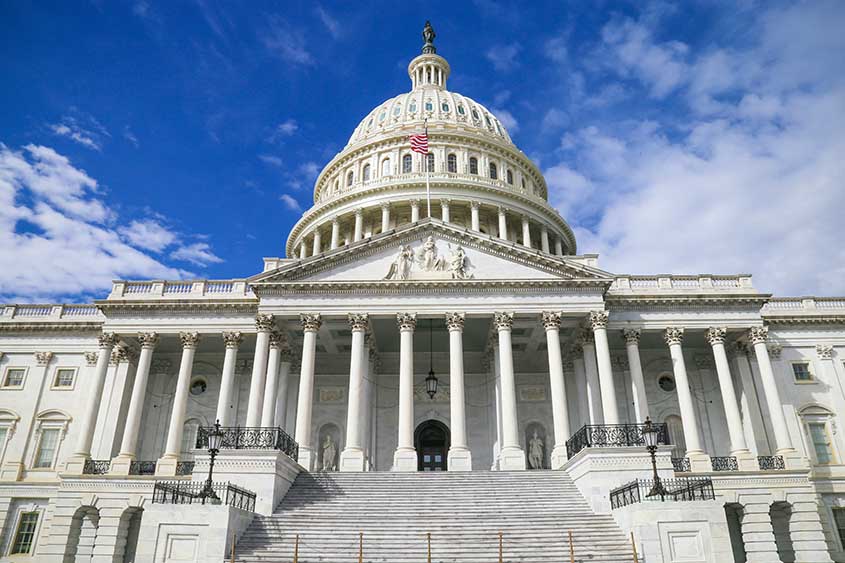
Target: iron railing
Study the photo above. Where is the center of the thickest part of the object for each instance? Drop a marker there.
(260, 438)
(184, 468)
(681, 464)
(682, 489)
(612, 435)
(771, 462)
(188, 492)
(724, 463)
(142, 468)
(96, 466)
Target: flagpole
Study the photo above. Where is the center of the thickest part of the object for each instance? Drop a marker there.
(425, 165)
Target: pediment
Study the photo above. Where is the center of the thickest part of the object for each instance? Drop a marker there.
(431, 251)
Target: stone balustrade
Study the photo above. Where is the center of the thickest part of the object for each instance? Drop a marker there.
(50, 312)
(699, 283)
(187, 289)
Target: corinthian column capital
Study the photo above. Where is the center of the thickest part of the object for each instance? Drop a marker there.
(455, 321)
(406, 321)
(825, 351)
(631, 335)
(264, 323)
(277, 340)
(107, 339)
(758, 334)
(715, 335)
(598, 319)
(43, 358)
(148, 339)
(359, 321)
(189, 339)
(503, 321)
(550, 320)
(673, 335)
(233, 339)
(310, 321)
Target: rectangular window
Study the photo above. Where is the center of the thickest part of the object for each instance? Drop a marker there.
(4, 433)
(14, 377)
(25, 535)
(64, 377)
(46, 448)
(801, 371)
(821, 442)
(839, 520)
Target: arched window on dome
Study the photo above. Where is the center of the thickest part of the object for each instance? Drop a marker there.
(473, 165)
(429, 106)
(523, 183)
(336, 186)
(407, 164)
(494, 172)
(461, 109)
(445, 107)
(349, 177)
(510, 177)
(366, 175)
(452, 163)
(397, 110)
(385, 167)
(413, 107)
(382, 115)
(429, 162)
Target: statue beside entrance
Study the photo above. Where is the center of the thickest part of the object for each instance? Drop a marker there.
(536, 452)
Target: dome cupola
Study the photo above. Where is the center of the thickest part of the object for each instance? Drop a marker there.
(429, 70)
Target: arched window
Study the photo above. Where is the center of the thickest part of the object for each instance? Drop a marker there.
(452, 163)
(445, 107)
(817, 424)
(494, 173)
(349, 177)
(50, 429)
(407, 164)
(429, 162)
(473, 165)
(336, 185)
(523, 183)
(413, 107)
(366, 175)
(397, 110)
(382, 115)
(510, 177)
(385, 167)
(461, 109)
(429, 106)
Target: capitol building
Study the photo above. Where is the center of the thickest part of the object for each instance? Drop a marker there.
(432, 371)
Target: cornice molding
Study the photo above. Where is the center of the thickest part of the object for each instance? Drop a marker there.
(185, 306)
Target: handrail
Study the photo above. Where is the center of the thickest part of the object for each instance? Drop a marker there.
(189, 492)
(612, 435)
(251, 438)
(680, 489)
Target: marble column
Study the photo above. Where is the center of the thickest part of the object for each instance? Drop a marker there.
(475, 220)
(271, 381)
(317, 243)
(303, 250)
(526, 232)
(715, 336)
(75, 465)
(385, 217)
(758, 335)
(225, 402)
(305, 403)
(582, 398)
(444, 210)
(591, 376)
(263, 325)
(167, 463)
(632, 347)
(460, 458)
(673, 337)
(503, 224)
(335, 240)
(129, 445)
(285, 360)
(598, 321)
(405, 456)
(352, 456)
(560, 414)
(544, 239)
(415, 210)
(512, 455)
(358, 234)
(558, 247)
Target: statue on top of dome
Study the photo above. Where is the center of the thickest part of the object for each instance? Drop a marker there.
(428, 36)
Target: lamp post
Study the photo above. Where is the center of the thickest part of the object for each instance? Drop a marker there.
(651, 434)
(431, 380)
(215, 436)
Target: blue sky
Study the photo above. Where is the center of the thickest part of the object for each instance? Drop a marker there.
(181, 139)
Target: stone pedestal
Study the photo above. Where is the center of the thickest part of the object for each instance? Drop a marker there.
(307, 458)
(352, 459)
(558, 457)
(512, 459)
(459, 459)
(74, 465)
(405, 460)
(699, 462)
(120, 465)
(166, 466)
(746, 461)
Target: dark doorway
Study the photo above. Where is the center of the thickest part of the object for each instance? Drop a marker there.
(432, 442)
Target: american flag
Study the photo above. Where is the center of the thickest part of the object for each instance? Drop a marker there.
(419, 143)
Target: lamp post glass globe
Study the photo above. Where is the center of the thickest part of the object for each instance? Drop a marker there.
(215, 437)
(431, 384)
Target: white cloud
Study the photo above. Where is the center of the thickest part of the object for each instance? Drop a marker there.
(271, 160)
(504, 57)
(198, 253)
(748, 179)
(507, 119)
(286, 42)
(287, 128)
(130, 136)
(332, 25)
(556, 50)
(90, 134)
(148, 234)
(290, 202)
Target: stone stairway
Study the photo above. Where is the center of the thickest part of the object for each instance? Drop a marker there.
(464, 512)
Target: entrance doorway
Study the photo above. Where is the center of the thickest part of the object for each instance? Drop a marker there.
(431, 440)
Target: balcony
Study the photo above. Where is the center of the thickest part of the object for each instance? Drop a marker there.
(612, 436)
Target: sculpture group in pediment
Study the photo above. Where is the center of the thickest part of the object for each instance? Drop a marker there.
(427, 260)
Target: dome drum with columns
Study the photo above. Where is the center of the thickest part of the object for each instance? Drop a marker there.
(478, 178)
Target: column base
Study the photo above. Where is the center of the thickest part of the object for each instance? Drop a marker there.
(166, 466)
(121, 464)
(352, 459)
(559, 457)
(307, 458)
(75, 465)
(792, 459)
(512, 459)
(745, 460)
(405, 459)
(699, 462)
(459, 459)
(12, 471)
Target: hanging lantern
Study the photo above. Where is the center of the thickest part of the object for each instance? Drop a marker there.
(431, 384)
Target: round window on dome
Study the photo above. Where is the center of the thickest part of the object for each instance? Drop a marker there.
(445, 107)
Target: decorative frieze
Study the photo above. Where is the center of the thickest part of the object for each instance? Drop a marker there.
(758, 334)
(455, 321)
(631, 335)
(233, 339)
(359, 321)
(148, 339)
(503, 321)
(825, 351)
(43, 358)
(264, 323)
(598, 319)
(715, 335)
(189, 339)
(550, 320)
(673, 335)
(406, 321)
(310, 321)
